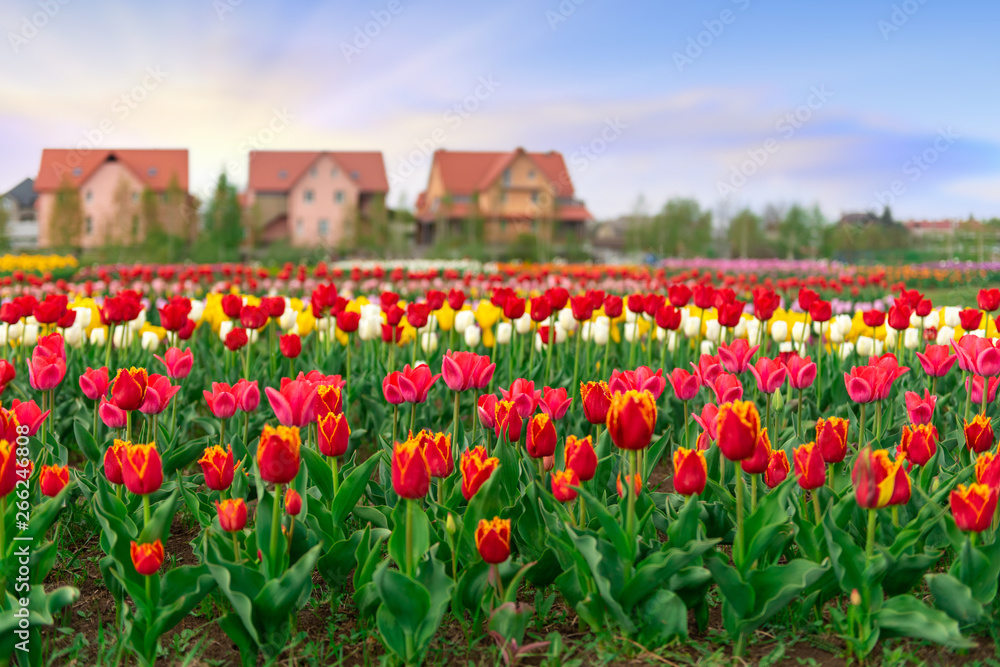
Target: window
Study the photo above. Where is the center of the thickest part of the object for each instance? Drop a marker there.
(338, 196)
(298, 227)
(90, 195)
(503, 197)
(90, 225)
(312, 172)
(135, 196)
(77, 172)
(531, 174)
(355, 175)
(334, 172)
(324, 227)
(534, 197)
(283, 174)
(152, 171)
(308, 195)
(506, 176)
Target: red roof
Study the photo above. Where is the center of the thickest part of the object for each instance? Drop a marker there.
(468, 172)
(278, 171)
(930, 224)
(154, 167)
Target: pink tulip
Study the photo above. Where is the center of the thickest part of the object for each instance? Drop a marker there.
(861, 383)
(978, 355)
(111, 414)
(685, 384)
(523, 395)
(94, 382)
(641, 379)
(555, 403)
(317, 378)
(159, 391)
(770, 375)
(727, 388)
(708, 369)
(936, 360)
(47, 366)
(801, 371)
(466, 370)
(295, 403)
(221, 400)
(247, 395)
(414, 383)
(888, 370)
(976, 390)
(178, 363)
(708, 420)
(920, 409)
(737, 355)
(487, 409)
(390, 388)
(28, 414)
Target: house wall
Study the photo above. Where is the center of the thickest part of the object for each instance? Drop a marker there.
(324, 179)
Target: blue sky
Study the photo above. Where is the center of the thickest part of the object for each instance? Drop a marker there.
(844, 103)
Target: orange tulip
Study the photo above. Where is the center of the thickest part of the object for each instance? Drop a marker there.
(690, 471)
(411, 476)
(142, 468)
(738, 425)
(973, 507)
(562, 480)
(631, 419)
(147, 558)
(278, 455)
(477, 467)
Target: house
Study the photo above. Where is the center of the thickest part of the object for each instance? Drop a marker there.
(89, 198)
(512, 193)
(310, 198)
(932, 228)
(19, 209)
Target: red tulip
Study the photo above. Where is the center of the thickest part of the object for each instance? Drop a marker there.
(765, 302)
(613, 306)
(979, 435)
(679, 295)
(232, 306)
(936, 360)
(704, 295)
(111, 414)
(278, 454)
(493, 540)
(873, 318)
(221, 400)
(973, 507)
(236, 339)
(47, 366)
(777, 469)
(970, 318)
(51, 309)
(523, 396)
(486, 407)
(770, 375)
(631, 419)
(178, 363)
(293, 502)
(507, 421)
(232, 514)
(28, 415)
(581, 457)
(290, 345)
(979, 355)
(113, 462)
(541, 440)
(874, 478)
(920, 409)
(641, 379)
(810, 469)
(142, 468)
(988, 299)
(831, 438)
(736, 356)
(801, 371)
(411, 476)
(636, 480)
(218, 467)
(94, 382)
(899, 317)
(761, 457)
(820, 311)
(806, 298)
(414, 383)
(690, 471)
(988, 470)
(476, 468)
(247, 395)
(562, 480)
(727, 388)
(555, 402)
(685, 384)
(738, 429)
(52, 479)
(147, 558)
(596, 399)
(709, 420)
(919, 443)
(456, 299)
(582, 308)
(861, 384)
(974, 386)
(437, 452)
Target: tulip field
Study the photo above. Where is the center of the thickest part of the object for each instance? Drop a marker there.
(556, 465)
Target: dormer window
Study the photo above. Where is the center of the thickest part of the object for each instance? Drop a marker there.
(77, 172)
(312, 172)
(334, 172)
(355, 175)
(152, 171)
(531, 174)
(283, 174)
(506, 176)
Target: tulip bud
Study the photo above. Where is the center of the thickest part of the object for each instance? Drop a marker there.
(293, 502)
(147, 558)
(562, 480)
(449, 523)
(232, 514)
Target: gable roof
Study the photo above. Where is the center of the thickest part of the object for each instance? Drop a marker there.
(468, 172)
(154, 167)
(366, 168)
(23, 193)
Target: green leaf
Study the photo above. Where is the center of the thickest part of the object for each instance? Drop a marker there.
(663, 617)
(777, 586)
(421, 533)
(351, 488)
(738, 593)
(654, 452)
(906, 616)
(954, 598)
(404, 599)
(85, 439)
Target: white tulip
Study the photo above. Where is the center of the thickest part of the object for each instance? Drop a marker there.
(73, 336)
(369, 328)
(707, 347)
(30, 320)
(372, 311)
(120, 338)
(672, 340)
(99, 336)
(561, 333)
(288, 318)
(740, 330)
(932, 320)
(951, 317)
(252, 336)
(944, 335)
(586, 331)
(891, 337)
(428, 342)
(785, 346)
(150, 341)
(911, 339)
(538, 342)
(30, 335)
(463, 320)
(523, 324)
(845, 323)
(472, 336)
(632, 332)
(846, 350)
(879, 345)
(978, 332)
(753, 331)
(800, 334)
(835, 335)
(224, 329)
(504, 331)
(83, 316)
(779, 331)
(713, 331)
(140, 320)
(324, 324)
(198, 309)
(566, 319)
(431, 326)
(630, 316)
(602, 332)
(865, 346)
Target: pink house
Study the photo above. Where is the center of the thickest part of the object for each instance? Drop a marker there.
(110, 185)
(311, 198)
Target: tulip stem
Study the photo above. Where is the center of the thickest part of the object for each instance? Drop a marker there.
(409, 537)
(986, 394)
(96, 403)
(870, 541)
(607, 350)
(817, 510)
(413, 415)
(687, 437)
(246, 428)
(575, 387)
(275, 530)
(798, 417)
(3, 529)
(738, 542)
(861, 429)
(222, 433)
(631, 493)
(454, 423)
(475, 419)
(499, 580)
(753, 493)
(149, 588)
(395, 422)
(145, 510)
(236, 548)
(336, 476)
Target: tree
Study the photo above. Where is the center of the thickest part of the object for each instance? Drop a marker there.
(744, 235)
(66, 221)
(224, 220)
